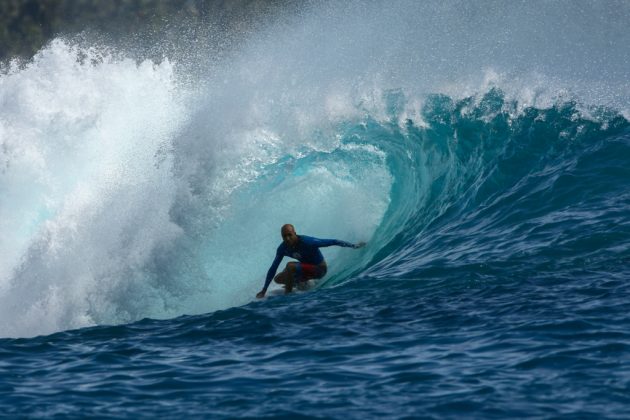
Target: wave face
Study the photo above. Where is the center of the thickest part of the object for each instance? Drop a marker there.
(524, 189)
(141, 202)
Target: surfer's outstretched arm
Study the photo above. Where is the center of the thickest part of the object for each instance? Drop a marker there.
(321, 243)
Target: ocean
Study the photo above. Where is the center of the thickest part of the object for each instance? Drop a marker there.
(482, 150)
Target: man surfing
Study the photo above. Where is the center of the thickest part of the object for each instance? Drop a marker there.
(305, 249)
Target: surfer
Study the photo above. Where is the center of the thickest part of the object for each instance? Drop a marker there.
(305, 249)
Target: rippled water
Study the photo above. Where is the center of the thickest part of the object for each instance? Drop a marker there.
(460, 346)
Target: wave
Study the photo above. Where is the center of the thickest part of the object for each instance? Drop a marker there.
(484, 182)
(126, 197)
(140, 188)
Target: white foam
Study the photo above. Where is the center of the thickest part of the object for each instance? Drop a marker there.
(123, 192)
(84, 201)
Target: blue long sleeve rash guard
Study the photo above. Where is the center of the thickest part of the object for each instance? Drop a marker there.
(307, 251)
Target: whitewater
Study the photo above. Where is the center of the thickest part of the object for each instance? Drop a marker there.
(482, 150)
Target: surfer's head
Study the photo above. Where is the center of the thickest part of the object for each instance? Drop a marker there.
(289, 236)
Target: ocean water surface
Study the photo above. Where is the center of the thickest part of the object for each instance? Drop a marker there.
(481, 150)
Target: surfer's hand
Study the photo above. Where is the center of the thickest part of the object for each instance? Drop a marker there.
(260, 294)
(359, 245)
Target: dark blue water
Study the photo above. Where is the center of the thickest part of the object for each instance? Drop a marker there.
(141, 203)
(470, 345)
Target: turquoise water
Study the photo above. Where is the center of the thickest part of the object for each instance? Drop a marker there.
(142, 201)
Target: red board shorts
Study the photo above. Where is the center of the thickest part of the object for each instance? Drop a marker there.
(309, 271)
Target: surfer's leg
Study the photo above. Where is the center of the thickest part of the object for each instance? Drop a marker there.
(287, 276)
(291, 276)
(281, 278)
